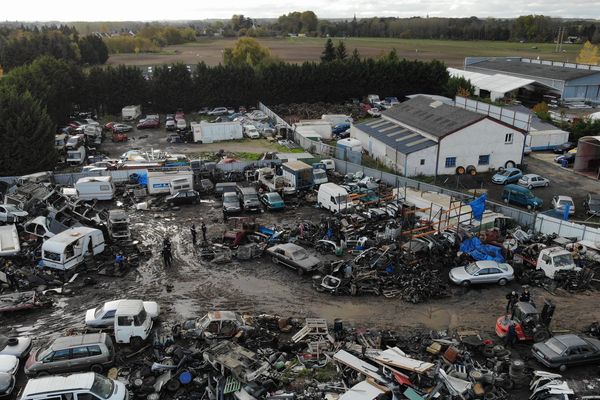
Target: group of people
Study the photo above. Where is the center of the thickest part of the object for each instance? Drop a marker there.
(513, 298)
(167, 253)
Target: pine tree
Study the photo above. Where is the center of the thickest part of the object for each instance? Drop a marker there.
(355, 57)
(328, 54)
(340, 51)
(26, 134)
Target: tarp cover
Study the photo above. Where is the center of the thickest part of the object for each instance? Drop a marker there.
(480, 251)
(478, 207)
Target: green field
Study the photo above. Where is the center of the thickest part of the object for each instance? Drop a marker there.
(452, 52)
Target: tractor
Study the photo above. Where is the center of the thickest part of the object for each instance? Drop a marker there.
(530, 324)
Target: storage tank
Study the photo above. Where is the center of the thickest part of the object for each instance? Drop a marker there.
(349, 149)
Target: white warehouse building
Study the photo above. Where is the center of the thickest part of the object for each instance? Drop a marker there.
(423, 136)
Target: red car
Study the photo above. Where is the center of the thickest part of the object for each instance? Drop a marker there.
(119, 137)
(109, 125)
(148, 124)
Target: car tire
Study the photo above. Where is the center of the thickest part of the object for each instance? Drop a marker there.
(502, 282)
(460, 170)
(546, 184)
(530, 187)
(510, 164)
(529, 207)
(465, 284)
(540, 336)
(506, 201)
(562, 368)
(471, 170)
(97, 368)
(41, 374)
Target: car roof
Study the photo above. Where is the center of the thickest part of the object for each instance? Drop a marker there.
(77, 340)
(486, 264)
(566, 198)
(288, 247)
(59, 383)
(222, 316)
(129, 307)
(530, 175)
(571, 340)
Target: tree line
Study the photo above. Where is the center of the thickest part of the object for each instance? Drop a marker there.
(20, 46)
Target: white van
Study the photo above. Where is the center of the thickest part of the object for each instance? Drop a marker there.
(87, 385)
(132, 323)
(181, 124)
(333, 197)
(95, 188)
(69, 248)
(180, 184)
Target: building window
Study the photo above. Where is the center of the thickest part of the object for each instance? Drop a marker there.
(484, 160)
(508, 138)
(450, 162)
(422, 161)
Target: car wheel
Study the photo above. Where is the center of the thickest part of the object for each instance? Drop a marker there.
(465, 283)
(529, 207)
(530, 187)
(562, 368)
(97, 368)
(540, 335)
(502, 282)
(274, 260)
(460, 170)
(546, 184)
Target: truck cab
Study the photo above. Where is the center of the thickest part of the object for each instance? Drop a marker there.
(555, 259)
(132, 324)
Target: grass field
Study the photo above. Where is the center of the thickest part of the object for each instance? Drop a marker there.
(297, 50)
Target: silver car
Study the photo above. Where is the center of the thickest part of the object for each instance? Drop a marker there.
(482, 272)
(531, 181)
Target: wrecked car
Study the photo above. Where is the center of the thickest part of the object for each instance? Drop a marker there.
(215, 325)
(104, 316)
(293, 256)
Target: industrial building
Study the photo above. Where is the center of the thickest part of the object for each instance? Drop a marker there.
(542, 134)
(569, 81)
(423, 136)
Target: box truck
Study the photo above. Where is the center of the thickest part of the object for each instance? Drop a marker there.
(131, 113)
(299, 174)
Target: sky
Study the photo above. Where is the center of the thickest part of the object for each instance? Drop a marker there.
(153, 10)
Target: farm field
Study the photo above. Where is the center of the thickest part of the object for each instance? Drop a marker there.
(298, 50)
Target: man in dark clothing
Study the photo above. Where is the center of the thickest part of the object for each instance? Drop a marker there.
(203, 227)
(193, 232)
(167, 256)
(525, 296)
(167, 242)
(511, 335)
(512, 299)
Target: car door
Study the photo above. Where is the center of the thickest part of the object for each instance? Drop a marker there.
(60, 361)
(480, 276)
(80, 359)
(494, 275)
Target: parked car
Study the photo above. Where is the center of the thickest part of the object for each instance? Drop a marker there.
(559, 203)
(248, 198)
(104, 316)
(149, 123)
(218, 111)
(231, 203)
(183, 197)
(10, 213)
(93, 352)
(531, 181)
(121, 128)
(569, 158)
(119, 137)
(482, 272)
(18, 346)
(564, 351)
(9, 364)
(9, 367)
(272, 201)
(204, 111)
(509, 175)
(591, 204)
(293, 256)
(251, 132)
(88, 386)
(521, 196)
(171, 125)
(109, 125)
(563, 148)
(215, 325)
(180, 124)
(374, 112)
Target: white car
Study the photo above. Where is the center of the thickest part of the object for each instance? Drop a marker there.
(9, 364)
(251, 132)
(374, 112)
(560, 202)
(15, 346)
(104, 315)
(531, 181)
(218, 111)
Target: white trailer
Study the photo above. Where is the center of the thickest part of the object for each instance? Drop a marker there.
(546, 140)
(319, 126)
(68, 249)
(76, 156)
(207, 132)
(160, 182)
(95, 188)
(130, 113)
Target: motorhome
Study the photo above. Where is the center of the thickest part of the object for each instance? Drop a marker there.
(333, 197)
(95, 188)
(68, 249)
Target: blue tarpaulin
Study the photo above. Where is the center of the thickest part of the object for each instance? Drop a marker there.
(566, 211)
(480, 251)
(478, 206)
(143, 178)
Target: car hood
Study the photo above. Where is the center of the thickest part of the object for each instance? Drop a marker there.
(460, 273)
(229, 206)
(20, 349)
(8, 364)
(309, 262)
(152, 308)
(90, 315)
(498, 177)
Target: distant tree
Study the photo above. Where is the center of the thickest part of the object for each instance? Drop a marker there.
(308, 21)
(26, 134)
(588, 54)
(459, 86)
(329, 53)
(340, 51)
(93, 50)
(247, 51)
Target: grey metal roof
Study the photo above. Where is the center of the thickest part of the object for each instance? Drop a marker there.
(395, 136)
(534, 70)
(433, 117)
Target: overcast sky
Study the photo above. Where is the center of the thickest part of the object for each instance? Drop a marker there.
(152, 10)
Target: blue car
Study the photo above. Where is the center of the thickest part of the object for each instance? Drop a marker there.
(272, 201)
(509, 175)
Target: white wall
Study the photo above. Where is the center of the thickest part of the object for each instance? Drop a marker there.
(413, 162)
(481, 138)
(374, 147)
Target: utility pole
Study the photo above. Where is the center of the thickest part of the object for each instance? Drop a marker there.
(558, 39)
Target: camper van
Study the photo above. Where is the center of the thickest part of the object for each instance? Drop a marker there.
(333, 197)
(76, 156)
(95, 188)
(69, 248)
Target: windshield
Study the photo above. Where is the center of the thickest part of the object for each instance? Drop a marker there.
(506, 173)
(98, 312)
(44, 353)
(274, 197)
(251, 197)
(299, 255)
(564, 260)
(528, 195)
(564, 203)
(102, 387)
(471, 269)
(230, 199)
(556, 346)
(320, 175)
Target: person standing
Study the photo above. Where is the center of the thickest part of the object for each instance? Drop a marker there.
(194, 233)
(512, 299)
(525, 296)
(167, 256)
(203, 227)
(120, 261)
(511, 335)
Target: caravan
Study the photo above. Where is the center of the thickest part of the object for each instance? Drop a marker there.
(95, 188)
(68, 249)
